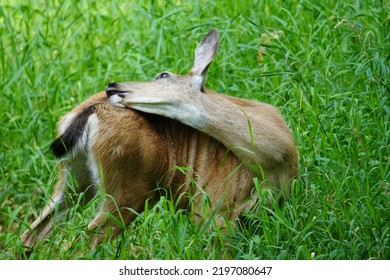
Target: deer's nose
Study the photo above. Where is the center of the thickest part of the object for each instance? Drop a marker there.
(111, 89)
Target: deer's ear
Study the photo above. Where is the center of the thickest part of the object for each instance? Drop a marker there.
(204, 54)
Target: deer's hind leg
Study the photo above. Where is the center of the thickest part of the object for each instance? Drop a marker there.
(42, 226)
(62, 199)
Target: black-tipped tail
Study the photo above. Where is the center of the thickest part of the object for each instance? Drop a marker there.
(66, 142)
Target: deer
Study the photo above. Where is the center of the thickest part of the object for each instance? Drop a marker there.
(133, 138)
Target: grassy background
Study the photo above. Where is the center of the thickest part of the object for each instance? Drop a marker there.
(326, 66)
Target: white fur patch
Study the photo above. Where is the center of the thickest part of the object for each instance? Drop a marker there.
(66, 122)
(91, 131)
(116, 101)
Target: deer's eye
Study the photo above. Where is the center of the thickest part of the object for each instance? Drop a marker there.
(163, 75)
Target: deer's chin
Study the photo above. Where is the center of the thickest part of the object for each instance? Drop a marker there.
(116, 100)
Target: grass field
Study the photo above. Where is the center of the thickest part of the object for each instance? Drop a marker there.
(326, 66)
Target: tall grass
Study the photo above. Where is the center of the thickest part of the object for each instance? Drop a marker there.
(325, 65)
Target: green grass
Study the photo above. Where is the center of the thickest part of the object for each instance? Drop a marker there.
(326, 66)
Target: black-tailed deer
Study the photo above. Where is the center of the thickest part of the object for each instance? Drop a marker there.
(137, 135)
